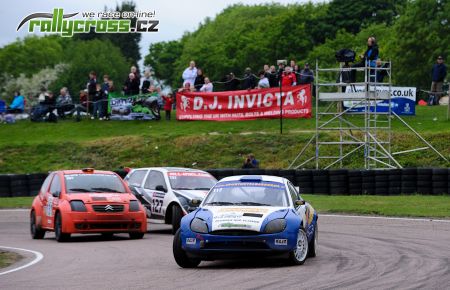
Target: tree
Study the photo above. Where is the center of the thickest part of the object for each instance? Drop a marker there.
(161, 57)
(422, 33)
(100, 56)
(30, 55)
(127, 42)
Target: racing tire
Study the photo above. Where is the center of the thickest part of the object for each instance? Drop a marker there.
(313, 245)
(59, 235)
(300, 253)
(180, 255)
(136, 236)
(177, 214)
(36, 232)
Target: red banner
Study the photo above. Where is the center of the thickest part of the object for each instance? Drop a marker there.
(245, 104)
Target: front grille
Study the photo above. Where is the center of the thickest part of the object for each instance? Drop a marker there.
(108, 226)
(234, 233)
(236, 245)
(108, 208)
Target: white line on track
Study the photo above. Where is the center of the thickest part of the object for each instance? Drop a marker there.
(38, 256)
(385, 218)
(14, 209)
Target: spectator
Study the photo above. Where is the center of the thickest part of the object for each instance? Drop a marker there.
(296, 70)
(199, 80)
(438, 74)
(273, 77)
(263, 82)
(249, 81)
(91, 86)
(83, 106)
(232, 83)
(288, 79)
(106, 88)
(168, 102)
(134, 71)
(306, 75)
(281, 67)
(18, 104)
(187, 87)
(64, 103)
(382, 72)
(250, 162)
(99, 101)
(292, 64)
(207, 87)
(147, 82)
(131, 86)
(266, 70)
(190, 74)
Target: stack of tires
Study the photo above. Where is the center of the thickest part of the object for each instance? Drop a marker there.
(440, 181)
(368, 182)
(424, 180)
(338, 181)
(289, 174)
(19, 185)
(303, 179)
(354, 182)
(35, 181)
(395, 181)
(320, 182)
(409, 180)
(381, 182)
(5, 186)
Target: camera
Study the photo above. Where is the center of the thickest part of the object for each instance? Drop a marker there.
(345, 55)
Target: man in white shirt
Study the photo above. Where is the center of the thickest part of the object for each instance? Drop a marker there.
(263, 81)
(190, 74)
(207, 87)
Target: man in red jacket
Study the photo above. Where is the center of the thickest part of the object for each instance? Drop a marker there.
(288, 78)
(168, 102)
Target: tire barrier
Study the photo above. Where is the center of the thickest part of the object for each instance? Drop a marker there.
(425, 181)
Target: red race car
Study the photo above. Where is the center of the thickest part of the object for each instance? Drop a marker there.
(86, 201)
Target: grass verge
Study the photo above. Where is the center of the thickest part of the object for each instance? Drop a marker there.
(8, 258)
(400, 206)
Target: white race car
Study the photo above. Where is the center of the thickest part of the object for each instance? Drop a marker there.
(167, 192)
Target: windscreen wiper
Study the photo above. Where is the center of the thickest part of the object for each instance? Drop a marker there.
(78, 190)
(253, 203)
(219, 203)
(202, 188)
(105, 189)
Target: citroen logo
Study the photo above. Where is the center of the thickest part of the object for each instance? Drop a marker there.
(109, 207)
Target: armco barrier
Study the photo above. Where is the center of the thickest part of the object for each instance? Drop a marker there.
(334, 182)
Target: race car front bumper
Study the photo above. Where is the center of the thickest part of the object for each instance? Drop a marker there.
(211, 246)
(92, 222)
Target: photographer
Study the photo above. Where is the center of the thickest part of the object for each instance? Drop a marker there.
(250, 162)
(369, 57)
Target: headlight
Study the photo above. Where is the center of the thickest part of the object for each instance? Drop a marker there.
(199, 226)
(275, 226)
(134, 205)
(77, 205)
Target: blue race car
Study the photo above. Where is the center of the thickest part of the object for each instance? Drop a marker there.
(248, 215)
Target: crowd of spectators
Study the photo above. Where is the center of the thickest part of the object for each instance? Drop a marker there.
(194, 79)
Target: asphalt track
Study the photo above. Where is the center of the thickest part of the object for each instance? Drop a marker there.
(354, 253)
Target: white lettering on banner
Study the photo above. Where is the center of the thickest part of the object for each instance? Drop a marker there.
(268, 100)
(239, 102)
(214, 105)
(289, 100)
(251, 100)
(198, 103)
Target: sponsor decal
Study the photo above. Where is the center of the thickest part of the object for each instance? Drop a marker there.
(60, 23)
(281, 242)
(245, 104)
(233, 225)
(195, 174)
(191, 241)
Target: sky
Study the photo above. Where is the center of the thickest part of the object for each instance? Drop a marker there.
(175, 16)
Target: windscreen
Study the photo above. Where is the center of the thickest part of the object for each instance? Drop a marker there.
(247, 193)
(191, 180)
(93, 183)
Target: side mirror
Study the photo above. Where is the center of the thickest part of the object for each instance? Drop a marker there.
(160, 188)
(299, 202)
(56, 194)
(196, 202)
